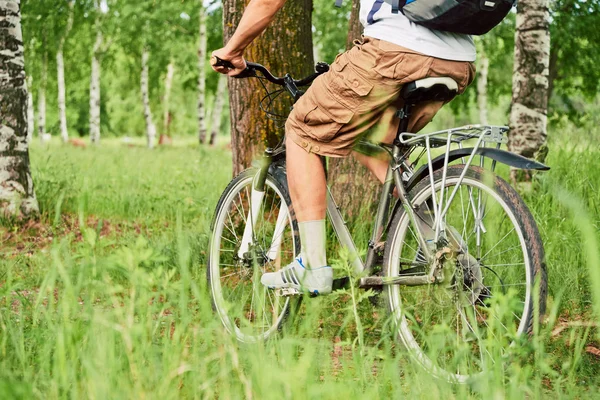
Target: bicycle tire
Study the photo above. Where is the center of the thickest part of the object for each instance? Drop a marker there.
(232, 315)
(407, 326)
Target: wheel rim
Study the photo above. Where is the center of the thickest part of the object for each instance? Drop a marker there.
(425, 316)
(247, 309)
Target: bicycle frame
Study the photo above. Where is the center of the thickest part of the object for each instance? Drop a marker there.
(401, 149)
(399, 152)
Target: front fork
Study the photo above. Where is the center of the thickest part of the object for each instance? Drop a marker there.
(257, 196)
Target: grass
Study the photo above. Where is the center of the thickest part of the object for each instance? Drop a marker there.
(106, 296)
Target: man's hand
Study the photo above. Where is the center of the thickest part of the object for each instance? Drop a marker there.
(234, 58)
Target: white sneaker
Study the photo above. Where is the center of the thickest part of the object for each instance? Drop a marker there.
(316, 281)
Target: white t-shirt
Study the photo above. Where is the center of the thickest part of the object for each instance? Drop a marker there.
(380, 23)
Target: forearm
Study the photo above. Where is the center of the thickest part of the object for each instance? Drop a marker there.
(257, 16)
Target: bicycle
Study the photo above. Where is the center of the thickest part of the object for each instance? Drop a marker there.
(456, 238)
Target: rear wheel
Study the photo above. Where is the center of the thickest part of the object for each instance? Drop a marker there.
(458, 328)
(246, 308)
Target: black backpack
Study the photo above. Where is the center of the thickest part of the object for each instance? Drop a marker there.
(471, 17)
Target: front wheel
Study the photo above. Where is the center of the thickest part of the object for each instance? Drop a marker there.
(492, 264)
(252, 233)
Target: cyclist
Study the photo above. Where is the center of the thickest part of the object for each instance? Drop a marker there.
(361, 90)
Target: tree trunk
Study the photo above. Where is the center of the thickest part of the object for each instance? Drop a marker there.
(167, 98)
(202, 77)
(528, 118)
(285, 47)
(355, 29)
(150, 127)
(95, 88)
(30, 110)
(482, 84)
(17, 196)
(352, 185)
(60, 66)
(217, 111)
(42, 98)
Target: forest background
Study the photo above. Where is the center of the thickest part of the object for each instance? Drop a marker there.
(169, 31)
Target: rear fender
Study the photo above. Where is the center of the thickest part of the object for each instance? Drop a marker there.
(501, 156)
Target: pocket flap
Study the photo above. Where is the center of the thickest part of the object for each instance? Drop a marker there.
(359, 86)
(335, 112)
(340, 62)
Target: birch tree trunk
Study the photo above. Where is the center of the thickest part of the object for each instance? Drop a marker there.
(150, 127)
(217, 111)
(285, 47)
(528, 117)
(42, 98)
(352, 185)
(17, 196)
(60, 66)
(202, 77)
(95, 88)
(482, 84)
(167, 98)
(30, 110)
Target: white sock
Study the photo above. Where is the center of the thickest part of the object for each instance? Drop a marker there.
(313, 239)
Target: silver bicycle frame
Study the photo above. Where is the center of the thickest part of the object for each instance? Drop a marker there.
(482, 135)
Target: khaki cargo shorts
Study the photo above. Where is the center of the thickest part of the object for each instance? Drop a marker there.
(361, 91)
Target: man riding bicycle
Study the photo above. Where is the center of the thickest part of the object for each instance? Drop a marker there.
(360, 91)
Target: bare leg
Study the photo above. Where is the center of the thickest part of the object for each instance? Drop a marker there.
(421, 116)
(308, 189)
(307, 184)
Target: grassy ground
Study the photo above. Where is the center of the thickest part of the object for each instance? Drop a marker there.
(105, 297)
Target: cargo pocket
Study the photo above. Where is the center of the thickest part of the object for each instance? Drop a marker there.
(347, 85)
(324, 121)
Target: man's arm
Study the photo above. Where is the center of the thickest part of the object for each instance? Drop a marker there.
(257, 17)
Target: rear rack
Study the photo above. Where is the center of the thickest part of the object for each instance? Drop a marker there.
(483, 136)
(487, 133)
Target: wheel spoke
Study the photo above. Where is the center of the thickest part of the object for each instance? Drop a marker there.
(484, 223)
(247, 309)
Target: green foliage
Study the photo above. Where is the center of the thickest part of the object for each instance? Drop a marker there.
(116, 306)
(575, 54)
(170, 30)
(330, 28)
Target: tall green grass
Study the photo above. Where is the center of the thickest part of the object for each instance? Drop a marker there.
(126, 314)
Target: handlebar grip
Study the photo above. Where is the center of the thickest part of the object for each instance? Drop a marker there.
(223, 63)
(247, 73)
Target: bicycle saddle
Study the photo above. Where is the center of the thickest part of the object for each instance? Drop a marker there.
(429, 89)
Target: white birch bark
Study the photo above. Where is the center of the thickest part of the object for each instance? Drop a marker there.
(482, 84)
(95, 88)
(528, 118)
(30, 110)
(202, 77)
(17, 195)
(167, 98)
(60, 66)
(217, 111)
(150, 127)
(42, 98)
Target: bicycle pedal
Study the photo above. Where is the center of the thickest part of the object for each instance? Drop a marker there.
(287, 292)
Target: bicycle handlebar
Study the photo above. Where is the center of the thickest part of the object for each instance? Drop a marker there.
(290, 84)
